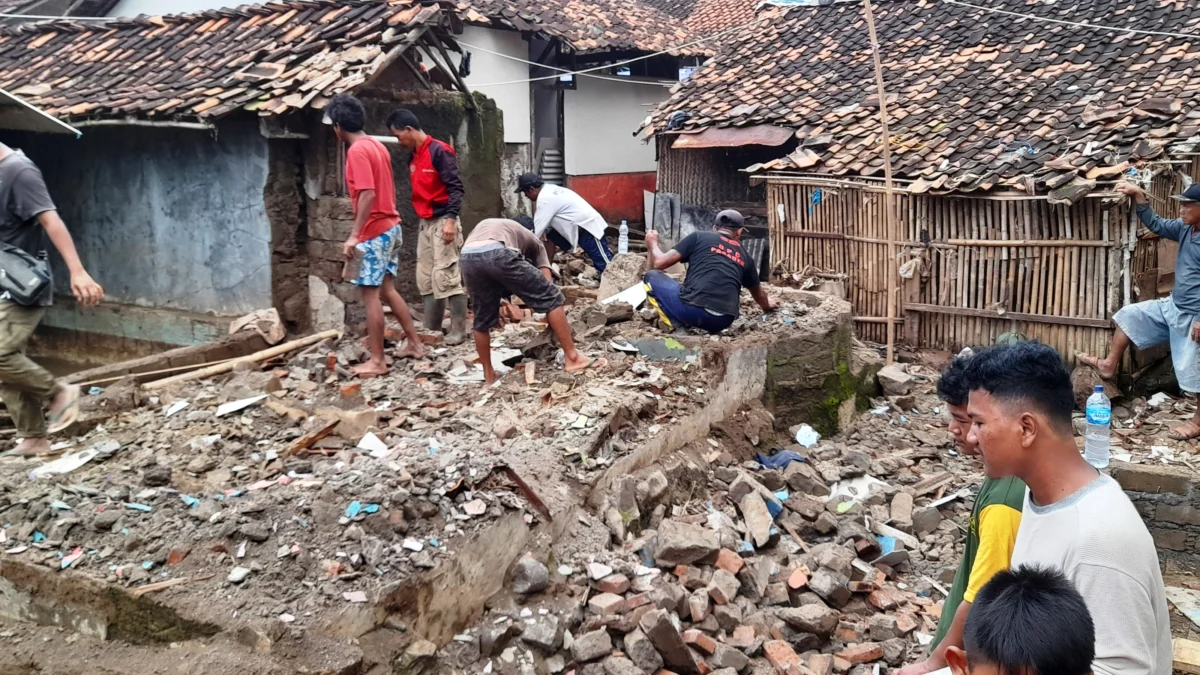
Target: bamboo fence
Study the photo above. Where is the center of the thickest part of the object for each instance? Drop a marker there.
(989, 264)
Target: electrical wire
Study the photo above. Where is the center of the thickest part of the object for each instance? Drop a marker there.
(1091, 26)
(560, 70)
(668, 50)
(45, 17)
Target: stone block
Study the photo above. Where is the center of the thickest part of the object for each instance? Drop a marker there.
(591, 646)
(605, 604)
(543, 633)
(1174, 540)
(926, 519)
(894, 381)
(665, 636)
(817, 619)
(1180, 514)
(902, 512)
(623, 271)
(642, 652)
(327, 312)
(724, 587)
(619, 665)
(683, 543)
(1153, 479)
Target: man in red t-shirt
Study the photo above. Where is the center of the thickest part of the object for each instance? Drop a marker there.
(376, 237)
(437, 196)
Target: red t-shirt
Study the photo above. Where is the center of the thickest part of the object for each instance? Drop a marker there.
(369, 167)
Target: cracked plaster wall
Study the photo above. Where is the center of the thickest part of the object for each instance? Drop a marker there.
(165, 218)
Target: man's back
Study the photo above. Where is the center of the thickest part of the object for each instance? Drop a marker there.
(718, 269)
(555, 203)
(1096, 537)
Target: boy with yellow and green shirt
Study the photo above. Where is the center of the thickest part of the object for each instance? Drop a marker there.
(993, 527)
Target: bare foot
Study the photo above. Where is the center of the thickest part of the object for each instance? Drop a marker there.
(34, 447)
(489, 378)
(1185, 432)
(1103, 368)
(581, 362)
(370, 369)
(413, 350)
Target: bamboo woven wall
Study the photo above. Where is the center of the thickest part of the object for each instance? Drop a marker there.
(1059, 277)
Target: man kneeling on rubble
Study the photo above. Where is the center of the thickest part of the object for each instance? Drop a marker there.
(1173, 320)
(993, 527)
(501, 259)
(1074, 519)
(710, 298)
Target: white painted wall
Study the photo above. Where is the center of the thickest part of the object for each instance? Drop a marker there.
(161, 7)
(512, 99)
(599, 118)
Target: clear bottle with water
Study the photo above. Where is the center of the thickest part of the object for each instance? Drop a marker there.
(1099, 417)
(623, 239)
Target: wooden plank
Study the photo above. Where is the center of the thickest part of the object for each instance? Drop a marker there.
(1025, 243)
(307, 440)
(1187, 656)
(1012, 316)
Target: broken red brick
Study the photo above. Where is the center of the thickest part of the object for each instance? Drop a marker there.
(886, 598)
(848, 631)
(862, 653)
(781, 656)
(638, 600)
(841, 665)
(176, 556)
(905, 623)
(743, 637)
(700, 641)
(798, 579)
(730, 561)
(613, 583)
(607, 603)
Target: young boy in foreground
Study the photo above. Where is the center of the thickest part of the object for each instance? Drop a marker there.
(993, 526)
(1028, 621)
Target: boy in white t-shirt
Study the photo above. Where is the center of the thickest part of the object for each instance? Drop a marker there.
(1074, 519)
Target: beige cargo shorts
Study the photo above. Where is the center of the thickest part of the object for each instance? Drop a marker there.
(438, 273)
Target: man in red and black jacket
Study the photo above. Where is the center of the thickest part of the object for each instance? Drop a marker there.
(437, 195)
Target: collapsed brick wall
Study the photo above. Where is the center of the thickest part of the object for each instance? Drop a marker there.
(1168, 499)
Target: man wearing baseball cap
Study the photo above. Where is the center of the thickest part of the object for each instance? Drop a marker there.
(1174, 319)
(565, 220)
(718, 269)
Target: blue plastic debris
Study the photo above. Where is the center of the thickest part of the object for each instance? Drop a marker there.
(774, 508)
(94, 391)
(433, 541)
(780, 459)
(371, 508)
(191, 501)
(354, 509)
(134, 506)
(782, 495)
(125, 531)
(743, 548)
(60, 505)
(886, 544)
(646, 556)
(148, 564)
(38, 537)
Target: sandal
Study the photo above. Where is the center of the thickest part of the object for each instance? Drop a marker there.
(68, 413)
(594, 362)
(1176, 435)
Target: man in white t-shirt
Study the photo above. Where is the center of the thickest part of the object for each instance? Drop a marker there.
(565, 220)
(1074, 519)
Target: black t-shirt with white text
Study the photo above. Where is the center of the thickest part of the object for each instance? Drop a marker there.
(718, 269)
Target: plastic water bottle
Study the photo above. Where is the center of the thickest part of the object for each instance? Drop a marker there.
(623, 240)
(1099, 415)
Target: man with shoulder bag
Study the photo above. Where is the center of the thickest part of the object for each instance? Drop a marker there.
(27, 218)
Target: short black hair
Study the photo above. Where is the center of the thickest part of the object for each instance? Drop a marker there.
(1030, 621)
(952, 385)
(1027, 371)
(525, 221)
(403, 118)
(347, 113)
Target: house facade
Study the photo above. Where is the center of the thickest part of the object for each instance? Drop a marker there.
(1006, 134)
(204, 185)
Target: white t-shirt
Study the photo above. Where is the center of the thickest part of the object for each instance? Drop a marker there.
(566, 212)
(1097, 539)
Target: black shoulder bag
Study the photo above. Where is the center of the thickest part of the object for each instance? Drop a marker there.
(23, 277)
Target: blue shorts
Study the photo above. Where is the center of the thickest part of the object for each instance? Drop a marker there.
(596, 249)
(663, 292)
(1155, 322)
(379, 257)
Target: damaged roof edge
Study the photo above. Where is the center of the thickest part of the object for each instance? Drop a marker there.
(732, 137)
(18, 114)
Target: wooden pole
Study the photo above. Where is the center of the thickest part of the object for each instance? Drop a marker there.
(226, 366)
(889, 188)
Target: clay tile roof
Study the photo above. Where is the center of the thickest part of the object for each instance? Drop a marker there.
(977, 100)
(271, 58)
(705, 17)
(588, 25)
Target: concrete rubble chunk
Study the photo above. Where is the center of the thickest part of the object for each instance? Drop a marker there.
(652, 488)
(529, 576)
(805, 479)
(820, 664)
(592, 646)
(894, 380)
(543, 633)
(420, 658)
(683, 543)
(817, 619)
(831, 587)
(665, 636)
(862, 653)
(623, 271)
(882, 627)
(642, 652)
(724, 587)
(697, 639)
(926, 520)
(620, 665)
(758, 518)
(606, 603)
(729, 657)
(902, 512)
(782, 657)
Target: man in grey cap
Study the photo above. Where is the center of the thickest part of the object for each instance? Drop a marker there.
(718, 269)
(1174, 319)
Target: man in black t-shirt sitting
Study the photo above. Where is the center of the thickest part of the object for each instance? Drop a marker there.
(718, 268)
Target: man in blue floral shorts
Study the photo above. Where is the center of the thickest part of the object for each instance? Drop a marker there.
(1175, 319)
(375, 240)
